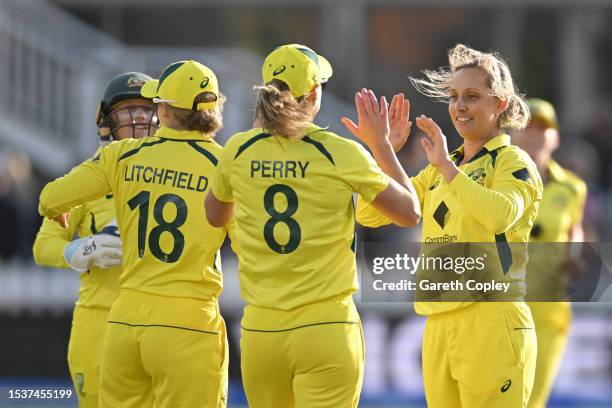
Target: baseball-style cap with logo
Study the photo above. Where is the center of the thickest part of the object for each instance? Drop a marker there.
(543, 111)
(298, 66)
(180, 83)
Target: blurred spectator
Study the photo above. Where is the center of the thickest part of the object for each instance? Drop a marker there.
(18, 209)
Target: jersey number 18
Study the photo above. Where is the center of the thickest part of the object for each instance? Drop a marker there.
(141, 201)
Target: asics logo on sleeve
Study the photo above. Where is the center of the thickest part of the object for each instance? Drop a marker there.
(506, 386)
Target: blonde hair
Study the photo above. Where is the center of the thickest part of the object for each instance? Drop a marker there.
(208, 121)
(279, 112)
(436, 84)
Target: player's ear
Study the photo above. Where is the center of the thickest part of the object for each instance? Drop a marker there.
(503, 104)
(315, 94)
(554, 138)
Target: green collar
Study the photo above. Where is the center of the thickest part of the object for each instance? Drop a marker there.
(495, 143)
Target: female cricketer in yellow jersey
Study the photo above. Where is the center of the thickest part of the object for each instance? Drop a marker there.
(476, 354)
(559, 220)
(291, 185)
(124, 113)
(165, 340)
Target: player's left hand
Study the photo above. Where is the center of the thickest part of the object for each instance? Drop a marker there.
(101, 250)
(61, 219)
(434, 142)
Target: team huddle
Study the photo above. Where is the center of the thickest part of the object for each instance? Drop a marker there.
(154, 204)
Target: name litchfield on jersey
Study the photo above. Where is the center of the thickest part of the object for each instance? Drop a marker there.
(174, 178)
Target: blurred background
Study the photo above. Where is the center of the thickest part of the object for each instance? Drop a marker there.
(56, 57)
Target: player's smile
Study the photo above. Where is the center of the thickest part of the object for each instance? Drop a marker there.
(471, 106)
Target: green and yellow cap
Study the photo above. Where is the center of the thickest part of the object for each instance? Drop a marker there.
(180, 83)
(542, 111)
(298, 66)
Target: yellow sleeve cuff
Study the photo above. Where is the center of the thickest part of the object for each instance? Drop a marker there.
(373, 192)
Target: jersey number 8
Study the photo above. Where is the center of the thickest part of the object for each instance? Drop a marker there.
(295, 232)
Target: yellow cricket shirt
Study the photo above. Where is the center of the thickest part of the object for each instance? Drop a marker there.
(561, 208)
(158, 185)
(99, 287)
(494, 198)
(294, 213)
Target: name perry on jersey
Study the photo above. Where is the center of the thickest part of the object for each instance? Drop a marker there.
(174, 178)
(278, 168)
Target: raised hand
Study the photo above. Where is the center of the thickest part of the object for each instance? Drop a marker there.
(399, 124)
(373, 119)
(434, 142)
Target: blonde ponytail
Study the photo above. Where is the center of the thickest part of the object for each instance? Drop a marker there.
(280, 113)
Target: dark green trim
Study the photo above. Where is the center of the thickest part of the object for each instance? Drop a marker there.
(494, 156)
(214, 264)
(521, 174)
(504, 252)
(163, 325)
(294, 328)
(458, 155)
(320, 148)
(134, 151)
(168, 71)
(249, 142)
(478, 155)
(205, 152)
(354, 243)
(92, 226)
(524, 328)
(97, 157)
(309, 53)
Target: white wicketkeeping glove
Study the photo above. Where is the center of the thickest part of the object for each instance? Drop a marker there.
(102, 250)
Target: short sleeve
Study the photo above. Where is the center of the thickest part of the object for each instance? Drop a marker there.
(368, 216)
(361, 172)
(220, 186)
